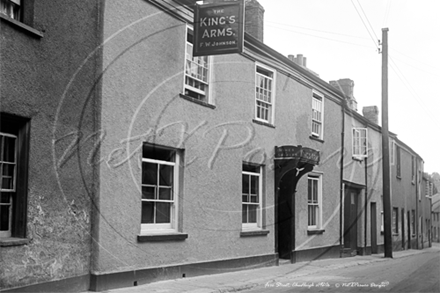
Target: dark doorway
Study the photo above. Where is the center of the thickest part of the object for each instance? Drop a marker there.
(373, 228)
(350, 219)
(408, 222)
(286, 215)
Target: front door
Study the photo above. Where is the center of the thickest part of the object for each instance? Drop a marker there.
(373, 228)
(286, 216)
(350, 219)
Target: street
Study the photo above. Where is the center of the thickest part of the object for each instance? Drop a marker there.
(415, 273)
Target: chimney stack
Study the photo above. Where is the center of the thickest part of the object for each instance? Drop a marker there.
(346, 86)
(299, 59)
(254, 19)
(371, 113)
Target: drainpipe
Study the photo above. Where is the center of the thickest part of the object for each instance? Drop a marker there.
(341, 177)
(366, 202)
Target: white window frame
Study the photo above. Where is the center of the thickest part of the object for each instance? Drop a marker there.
(204, 95)
(11, 8)
(269, 103)
(318, 215)
(7, 233)
(398, 151)
(360, 143)
(317, 99)
(258, 224)
(173, 225)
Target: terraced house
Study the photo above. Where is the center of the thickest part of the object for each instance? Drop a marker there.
(126, 159)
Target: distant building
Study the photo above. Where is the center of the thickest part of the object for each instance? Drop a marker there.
(435, 217)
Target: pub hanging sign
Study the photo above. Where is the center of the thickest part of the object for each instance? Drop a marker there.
(218, 28)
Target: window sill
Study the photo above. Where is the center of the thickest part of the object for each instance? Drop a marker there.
(358, 158)
(263, 123)
(12, 241)
(162, 237)
(316, 138)
(315, 232)
(20, 25)
(202, 103)
(252, 233)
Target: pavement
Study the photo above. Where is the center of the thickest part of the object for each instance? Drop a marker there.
(262, 277)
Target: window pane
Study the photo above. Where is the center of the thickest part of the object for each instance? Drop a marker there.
(254, 184)
(4, 218)
(254, 198)
(7, 183)
(165, 193)
(251, 168)
(147, 212)
(315, 191)
(148, 192)
(244, 214)
(163, 212)
(245, 198)
(149, 173)
(252, 214)
(166, 175)
(153, 152)
(245, 184)
(309, 193)
(4, 197)
(8, 149)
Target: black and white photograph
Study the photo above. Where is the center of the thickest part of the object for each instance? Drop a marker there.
(214, 146)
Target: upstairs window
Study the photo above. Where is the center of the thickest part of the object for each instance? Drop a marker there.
(317, 116)
(196, 72)
(360, 143)
(11, 8)
(160, 168)
(251, 197)
(264, 94)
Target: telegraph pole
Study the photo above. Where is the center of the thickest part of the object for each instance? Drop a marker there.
(388, 241)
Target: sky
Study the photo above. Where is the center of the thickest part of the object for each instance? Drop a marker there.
(340, 39)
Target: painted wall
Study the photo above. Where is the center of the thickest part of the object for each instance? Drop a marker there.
(374, 183)
(141, 82)
(47, 79)
(403, 196)
(329, 168)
